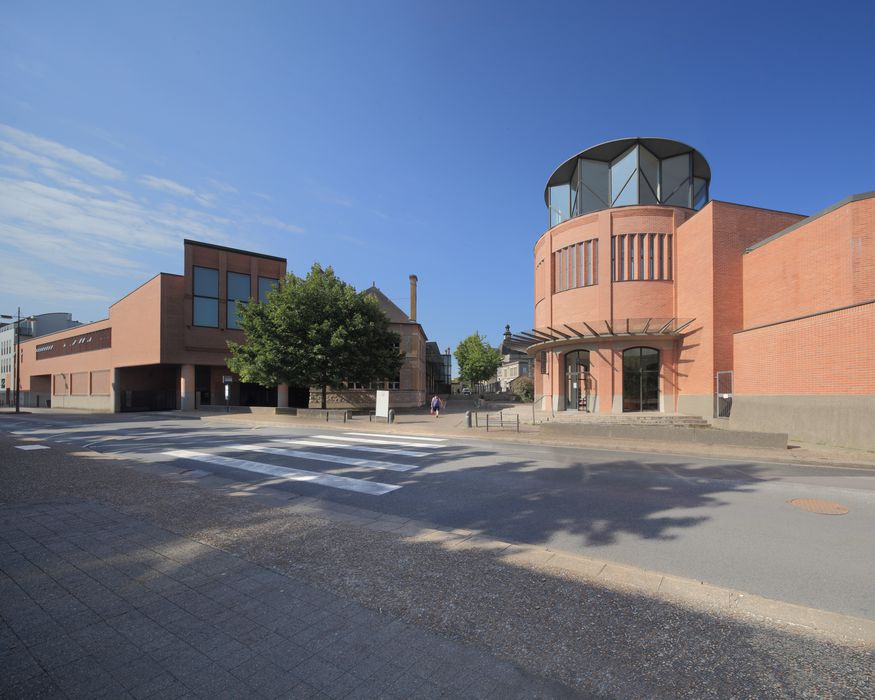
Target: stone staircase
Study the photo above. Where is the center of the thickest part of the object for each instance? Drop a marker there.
(641, 419)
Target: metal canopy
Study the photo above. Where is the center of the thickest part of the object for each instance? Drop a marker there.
(544, 338)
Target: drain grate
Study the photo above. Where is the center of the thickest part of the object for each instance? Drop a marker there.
(815, 505)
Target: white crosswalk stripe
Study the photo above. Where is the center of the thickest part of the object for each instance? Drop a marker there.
(322, 457)
(405, 437)
(373, 488)
(356, 448)
(368, 441)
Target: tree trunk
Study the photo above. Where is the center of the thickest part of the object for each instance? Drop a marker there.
(324, 396)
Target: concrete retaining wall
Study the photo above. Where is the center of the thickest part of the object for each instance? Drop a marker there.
(641, 433)
(842, 420)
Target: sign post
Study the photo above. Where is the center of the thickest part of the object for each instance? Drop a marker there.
(226, 380)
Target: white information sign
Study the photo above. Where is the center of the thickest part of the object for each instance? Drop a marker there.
(382, 404)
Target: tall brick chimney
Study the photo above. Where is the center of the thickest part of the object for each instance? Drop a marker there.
(413, 280)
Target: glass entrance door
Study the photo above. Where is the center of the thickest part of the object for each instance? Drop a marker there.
(576, 370)
(641, 379)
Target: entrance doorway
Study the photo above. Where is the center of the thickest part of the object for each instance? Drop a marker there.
(641, 379)
(576, 376)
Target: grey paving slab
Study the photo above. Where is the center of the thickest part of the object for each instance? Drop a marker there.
(96, 603)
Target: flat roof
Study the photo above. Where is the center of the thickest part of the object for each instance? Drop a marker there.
(838, 205)
(201, 244)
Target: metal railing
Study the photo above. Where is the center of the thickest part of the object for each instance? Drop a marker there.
(497, 421)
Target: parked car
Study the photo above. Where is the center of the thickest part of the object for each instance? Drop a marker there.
(466, 391)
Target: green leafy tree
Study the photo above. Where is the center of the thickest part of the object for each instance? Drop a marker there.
(315, 331)
(524, 389)
(478, 361)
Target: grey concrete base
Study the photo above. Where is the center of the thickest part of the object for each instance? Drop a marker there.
(699, 436)
(840, 420)
(696, 405)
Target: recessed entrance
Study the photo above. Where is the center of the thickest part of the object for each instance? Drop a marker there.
(576, 376)
(641, 379)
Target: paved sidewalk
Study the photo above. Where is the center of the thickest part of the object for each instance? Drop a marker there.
(94, 603)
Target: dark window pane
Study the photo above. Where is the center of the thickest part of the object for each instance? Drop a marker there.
(265, 284)
(238, 286)
(594, 186)
(650, 359)
(675, 185)
(206, 312)
(700, 192)
(233, 321)
(648, 172)
(206, 282)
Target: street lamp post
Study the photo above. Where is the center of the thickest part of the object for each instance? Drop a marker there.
(17, 387)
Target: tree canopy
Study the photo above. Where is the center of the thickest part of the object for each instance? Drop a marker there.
(315, 331)
(478, 361)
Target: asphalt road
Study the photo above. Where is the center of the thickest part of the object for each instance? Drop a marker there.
(721, 521)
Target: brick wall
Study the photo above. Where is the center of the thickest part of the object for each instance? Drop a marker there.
(830, 353)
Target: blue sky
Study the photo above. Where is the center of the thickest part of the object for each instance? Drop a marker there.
(390, 138)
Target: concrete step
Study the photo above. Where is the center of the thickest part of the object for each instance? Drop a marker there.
(580, 417)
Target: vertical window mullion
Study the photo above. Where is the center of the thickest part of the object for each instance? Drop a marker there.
(595, 261)
(668, 248)
(621, 255)
(641, 237)
(613, 258)
(661, 256)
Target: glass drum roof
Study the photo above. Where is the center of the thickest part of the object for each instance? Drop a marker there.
(627, 172)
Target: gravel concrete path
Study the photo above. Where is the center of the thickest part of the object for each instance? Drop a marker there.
(588, 638)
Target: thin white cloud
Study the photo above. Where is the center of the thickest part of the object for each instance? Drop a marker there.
(70, 157)
(171, 187)
(273, 222)
(68, 220)
(222, 186)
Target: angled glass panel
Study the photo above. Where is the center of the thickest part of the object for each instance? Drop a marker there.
(560, 204)
(624, 184)
(206, 282)
(675, 187)
(648, 176)
(575, 189)
(700, 192)
(594, 185)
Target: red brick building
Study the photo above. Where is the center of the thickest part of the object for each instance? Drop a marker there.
(649, 296)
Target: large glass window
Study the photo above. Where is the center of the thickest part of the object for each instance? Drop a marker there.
(265, 284)
(205, 311)
(641, 379)
(635, 177)
(648, 172)
(700, 192)
(675, 186)
(594, 185)
(560, 204)
(239, 290)
(624, 185)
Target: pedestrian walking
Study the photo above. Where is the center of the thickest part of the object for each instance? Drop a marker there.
(436, 405)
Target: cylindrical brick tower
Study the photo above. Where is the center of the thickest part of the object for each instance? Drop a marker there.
(606, 329)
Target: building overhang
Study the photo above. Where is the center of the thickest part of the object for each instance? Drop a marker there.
(573, 334)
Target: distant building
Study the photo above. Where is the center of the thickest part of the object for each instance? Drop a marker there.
(32, 327)
(649, 296)
(515, 363)
(411, 385)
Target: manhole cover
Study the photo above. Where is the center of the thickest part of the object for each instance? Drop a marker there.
(815, 505)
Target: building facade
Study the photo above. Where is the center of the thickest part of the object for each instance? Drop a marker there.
(650, 296)
(30, 327)
(164, 345)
